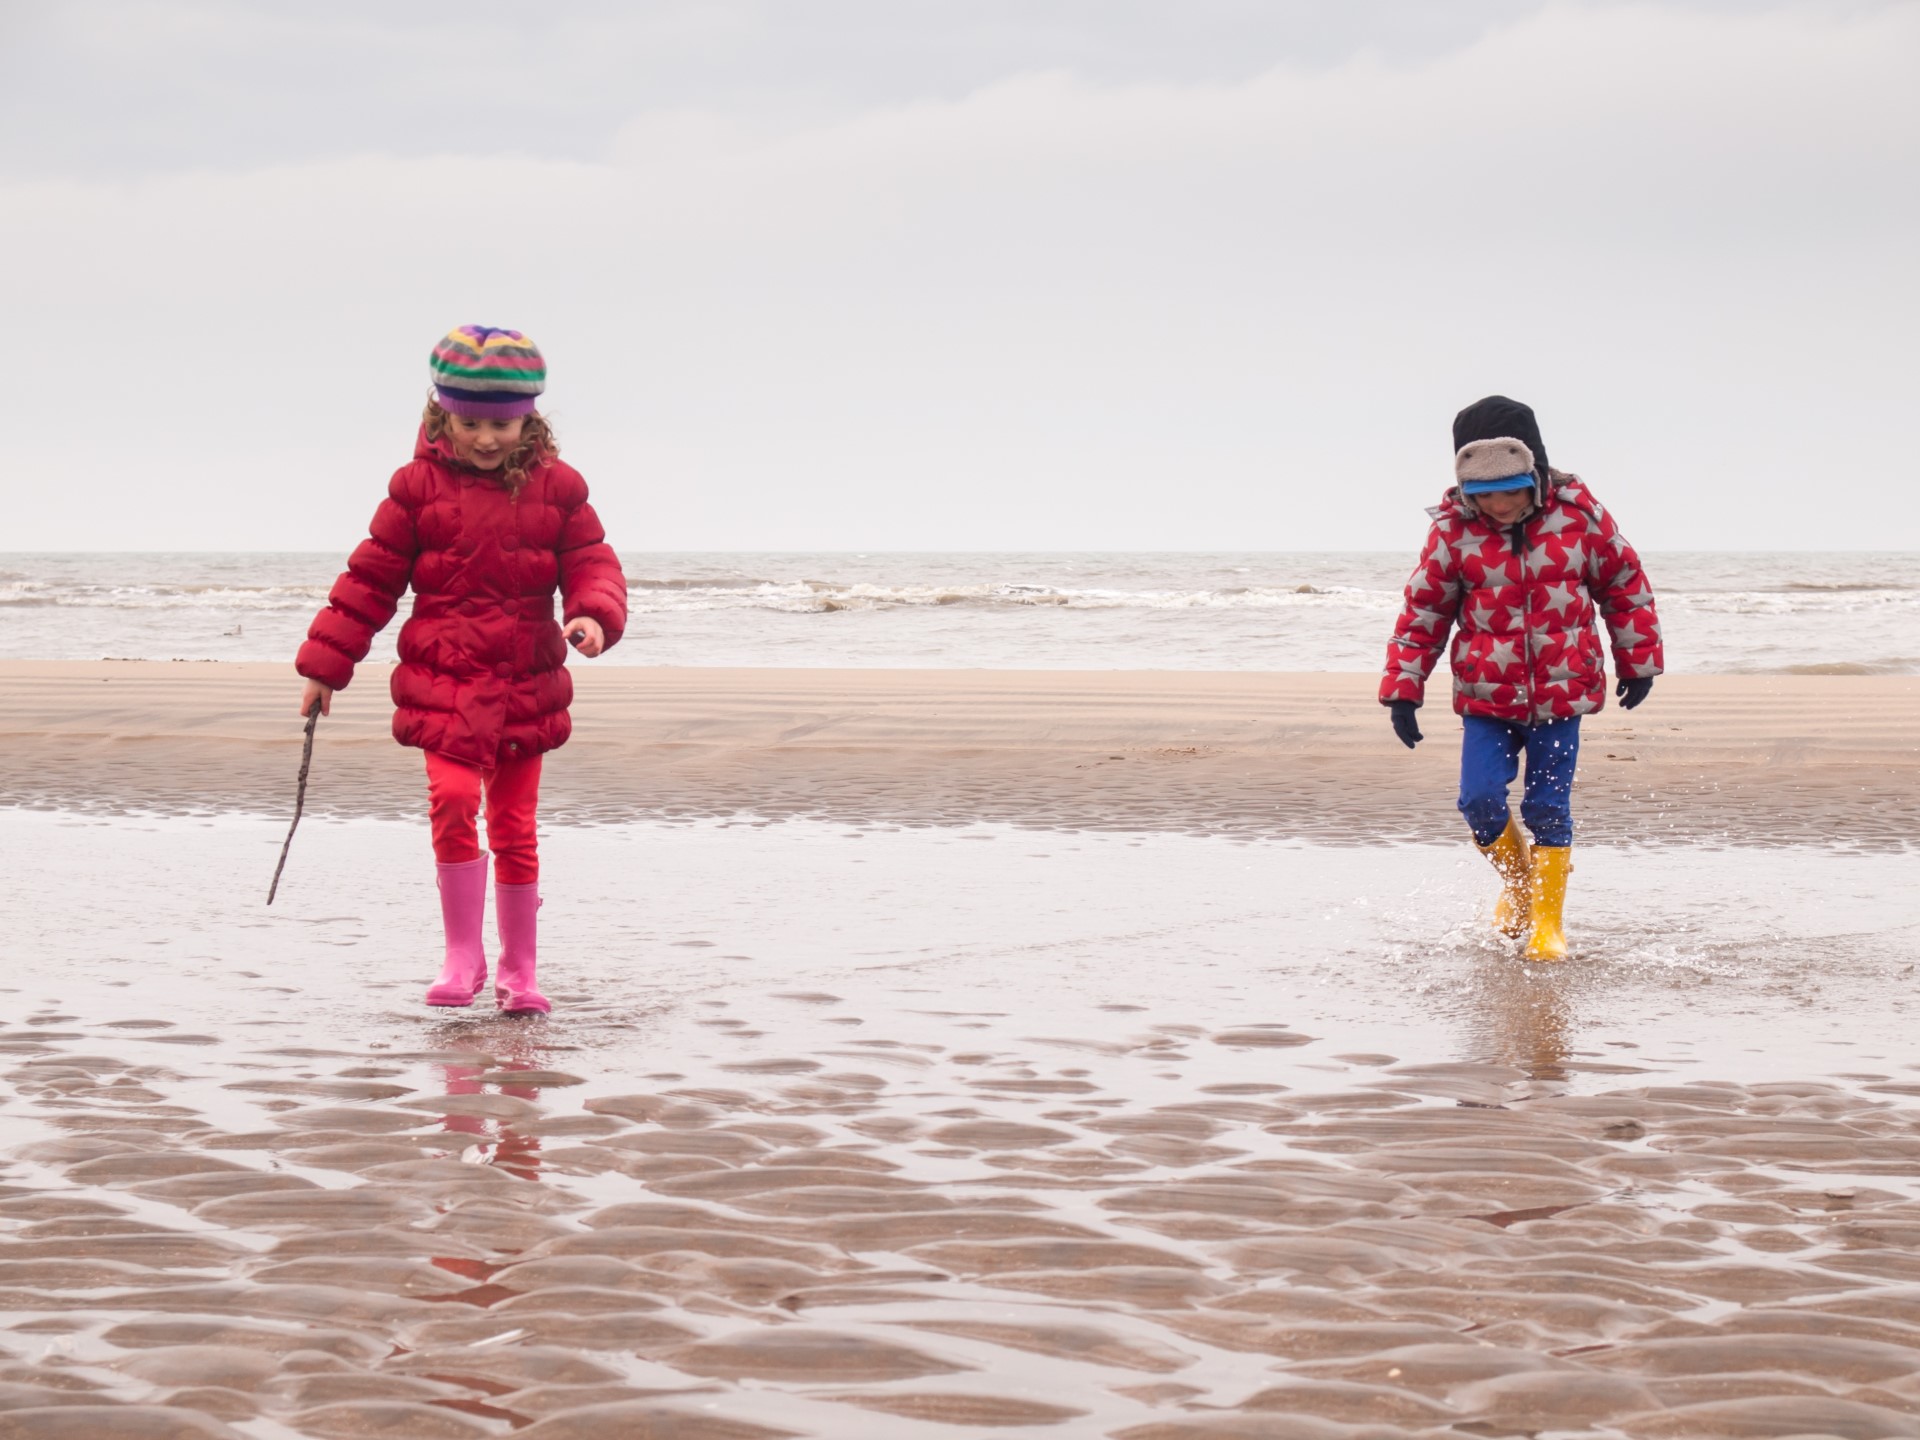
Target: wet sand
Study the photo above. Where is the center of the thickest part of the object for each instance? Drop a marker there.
(887, 1239)
(927, 1063)
(1716, 759)
(908, 1134)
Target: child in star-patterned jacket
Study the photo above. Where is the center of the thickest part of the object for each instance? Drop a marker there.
(1520, 559)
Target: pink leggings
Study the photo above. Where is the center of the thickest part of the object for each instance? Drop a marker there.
(512, 793)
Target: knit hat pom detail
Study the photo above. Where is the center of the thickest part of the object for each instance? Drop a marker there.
(486, 373)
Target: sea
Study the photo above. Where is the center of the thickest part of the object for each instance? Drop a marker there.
(1779, 612)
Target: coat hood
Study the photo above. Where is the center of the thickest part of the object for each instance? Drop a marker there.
(441, 453)
(425, 449)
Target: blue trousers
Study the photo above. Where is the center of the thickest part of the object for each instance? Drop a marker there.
(1490, 758)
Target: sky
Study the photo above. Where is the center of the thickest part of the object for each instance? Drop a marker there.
(966, 274)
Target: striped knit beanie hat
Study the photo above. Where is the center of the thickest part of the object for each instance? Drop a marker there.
(487, 374)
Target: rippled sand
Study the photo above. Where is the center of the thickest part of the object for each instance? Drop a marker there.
(882, 1133)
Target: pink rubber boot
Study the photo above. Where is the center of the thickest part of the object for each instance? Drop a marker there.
(463, 914)
(518, 909)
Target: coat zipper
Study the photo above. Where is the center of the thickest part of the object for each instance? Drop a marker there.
(1517, 537)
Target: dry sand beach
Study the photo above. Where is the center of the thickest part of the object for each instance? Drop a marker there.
(960, 1053)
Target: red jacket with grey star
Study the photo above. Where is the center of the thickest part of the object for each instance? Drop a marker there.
(1521, 602)
(482, 674)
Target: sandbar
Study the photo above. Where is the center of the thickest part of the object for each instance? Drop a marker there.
(1775, 759)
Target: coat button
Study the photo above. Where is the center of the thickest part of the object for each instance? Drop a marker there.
(509, 542)
(503, 670)
(511, 607)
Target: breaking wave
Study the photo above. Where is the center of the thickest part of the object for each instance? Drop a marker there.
(800, 597)
(1786, 614)
(19, 592)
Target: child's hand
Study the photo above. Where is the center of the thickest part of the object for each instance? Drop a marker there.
(1404, 725)
(1632, 692)
(316, 691)
(585, 635)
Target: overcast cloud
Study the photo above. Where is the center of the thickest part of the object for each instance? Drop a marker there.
(872, 274)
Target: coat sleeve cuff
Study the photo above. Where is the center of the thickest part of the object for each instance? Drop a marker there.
(600, 606)
(325, 664)
(1401, 687)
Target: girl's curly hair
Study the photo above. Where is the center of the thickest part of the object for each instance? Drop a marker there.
(537, 444)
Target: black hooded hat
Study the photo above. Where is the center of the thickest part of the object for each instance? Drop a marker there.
(1497, 418)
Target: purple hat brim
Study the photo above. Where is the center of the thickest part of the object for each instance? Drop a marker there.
(1488, 487)
(470, 406)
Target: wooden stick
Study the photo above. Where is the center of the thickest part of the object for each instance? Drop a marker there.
(299, 800)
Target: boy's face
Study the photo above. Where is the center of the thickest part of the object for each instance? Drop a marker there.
(484, 444)
(1503, 507)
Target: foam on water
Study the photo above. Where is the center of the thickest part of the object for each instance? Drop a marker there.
(1851, 614)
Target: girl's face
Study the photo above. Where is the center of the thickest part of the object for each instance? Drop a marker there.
(1503, 507)
(484, 444)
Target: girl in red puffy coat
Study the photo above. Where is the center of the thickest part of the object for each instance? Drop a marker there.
(1519, 561)
(485, 524)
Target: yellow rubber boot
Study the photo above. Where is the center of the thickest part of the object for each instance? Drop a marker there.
(1510, 858)
(1552, 864)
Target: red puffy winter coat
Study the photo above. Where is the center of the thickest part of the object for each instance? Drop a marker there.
(482, 674)
(1524, 600)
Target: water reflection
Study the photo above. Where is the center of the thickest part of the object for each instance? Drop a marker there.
(502, 1145)
(1522, 1015)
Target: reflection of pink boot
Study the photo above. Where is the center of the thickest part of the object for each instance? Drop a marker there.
(463, 913)
(518, 909)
